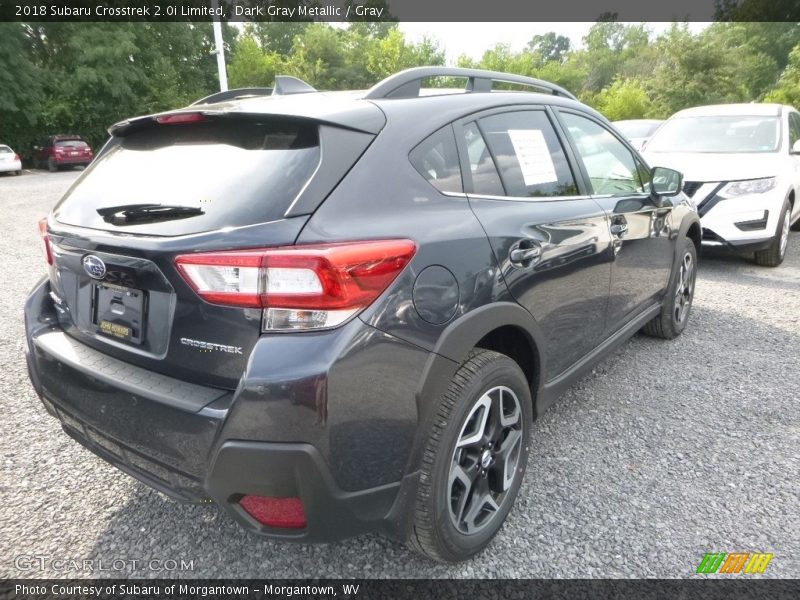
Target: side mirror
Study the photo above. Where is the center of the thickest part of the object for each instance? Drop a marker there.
(795, 148)
(666, 182)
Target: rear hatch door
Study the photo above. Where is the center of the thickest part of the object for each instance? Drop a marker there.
(163, 190)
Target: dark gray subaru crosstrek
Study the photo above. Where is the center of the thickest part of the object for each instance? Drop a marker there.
(332, 313)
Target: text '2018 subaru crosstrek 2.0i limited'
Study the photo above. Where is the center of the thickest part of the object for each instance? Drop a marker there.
(333, 313)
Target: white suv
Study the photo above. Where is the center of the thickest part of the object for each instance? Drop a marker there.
(741, 164)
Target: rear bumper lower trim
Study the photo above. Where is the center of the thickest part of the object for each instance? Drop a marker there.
(125, 376)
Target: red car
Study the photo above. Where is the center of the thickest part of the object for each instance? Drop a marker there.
(56, 151)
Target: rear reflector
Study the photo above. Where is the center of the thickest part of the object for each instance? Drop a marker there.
(284, 513)
(301, 287)
(48, 254)
(178, 118)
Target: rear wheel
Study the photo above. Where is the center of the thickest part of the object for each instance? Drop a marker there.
(18, 172)
(475, 458)
(774, 255)
(677, 304)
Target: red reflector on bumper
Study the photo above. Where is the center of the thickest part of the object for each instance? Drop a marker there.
(285, 513)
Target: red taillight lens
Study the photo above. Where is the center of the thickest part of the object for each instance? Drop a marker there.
(58, 149)
(178, 118)
(301, 287)
(16, 157)
(48, 254)
(285, 513)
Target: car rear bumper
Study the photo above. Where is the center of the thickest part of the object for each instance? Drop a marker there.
(72, 160)
(251, 441)
(10, 166)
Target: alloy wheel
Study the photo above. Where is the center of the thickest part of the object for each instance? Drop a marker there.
(485, 459)
(785, 233)
(685, 288)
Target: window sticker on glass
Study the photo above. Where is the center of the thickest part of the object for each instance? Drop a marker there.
(533, 155)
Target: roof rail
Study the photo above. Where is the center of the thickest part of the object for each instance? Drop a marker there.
(406, 84)
(233, 94)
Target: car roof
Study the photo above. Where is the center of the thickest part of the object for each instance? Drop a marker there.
(754, 109)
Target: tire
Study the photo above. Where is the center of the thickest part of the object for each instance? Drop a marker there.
(677, 303)
(51, 165)
(487, 386)
(18, 172)
(774, 255)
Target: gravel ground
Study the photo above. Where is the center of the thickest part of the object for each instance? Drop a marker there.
(666, 451)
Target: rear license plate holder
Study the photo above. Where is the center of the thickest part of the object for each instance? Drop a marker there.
(119, 312)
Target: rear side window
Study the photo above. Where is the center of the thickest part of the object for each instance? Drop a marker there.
(528, 154)
(239, 172)
(485, 178)
(436, 159)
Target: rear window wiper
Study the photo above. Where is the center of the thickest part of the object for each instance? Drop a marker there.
(129, 214)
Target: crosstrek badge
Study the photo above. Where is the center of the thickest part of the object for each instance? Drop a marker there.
(208, 346)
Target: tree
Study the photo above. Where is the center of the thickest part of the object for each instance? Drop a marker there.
(250, 66)
(788, 89)
(550, 47)
(20, 88)
(624, 99)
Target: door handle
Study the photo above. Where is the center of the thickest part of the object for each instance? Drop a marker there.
(619, 229)
(524, 255)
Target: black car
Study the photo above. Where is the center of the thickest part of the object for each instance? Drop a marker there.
(333, 313)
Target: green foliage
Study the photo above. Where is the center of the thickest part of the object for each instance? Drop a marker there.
(253, 67)
(21, 92)
(624, 99)
(82, 77)
(788, 89)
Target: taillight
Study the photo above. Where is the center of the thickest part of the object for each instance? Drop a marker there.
(16, 157)
(45, 241)
(299, 287)
(58, 149)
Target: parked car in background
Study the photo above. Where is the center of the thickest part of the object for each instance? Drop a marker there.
(638, 131)
(57, 151)
(339, 312)
(10, 161)
(741, 164)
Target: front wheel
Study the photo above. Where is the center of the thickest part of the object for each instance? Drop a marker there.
(474, 460)
(676, 305)
(776, 252)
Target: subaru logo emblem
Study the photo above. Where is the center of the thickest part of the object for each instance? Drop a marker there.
(94, 267)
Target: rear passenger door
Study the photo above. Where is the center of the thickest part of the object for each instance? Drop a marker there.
(640, 224)
(550, 239)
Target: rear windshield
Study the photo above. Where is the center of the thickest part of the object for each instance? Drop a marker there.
(238, 172)
(5, 149)
(71, 144)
